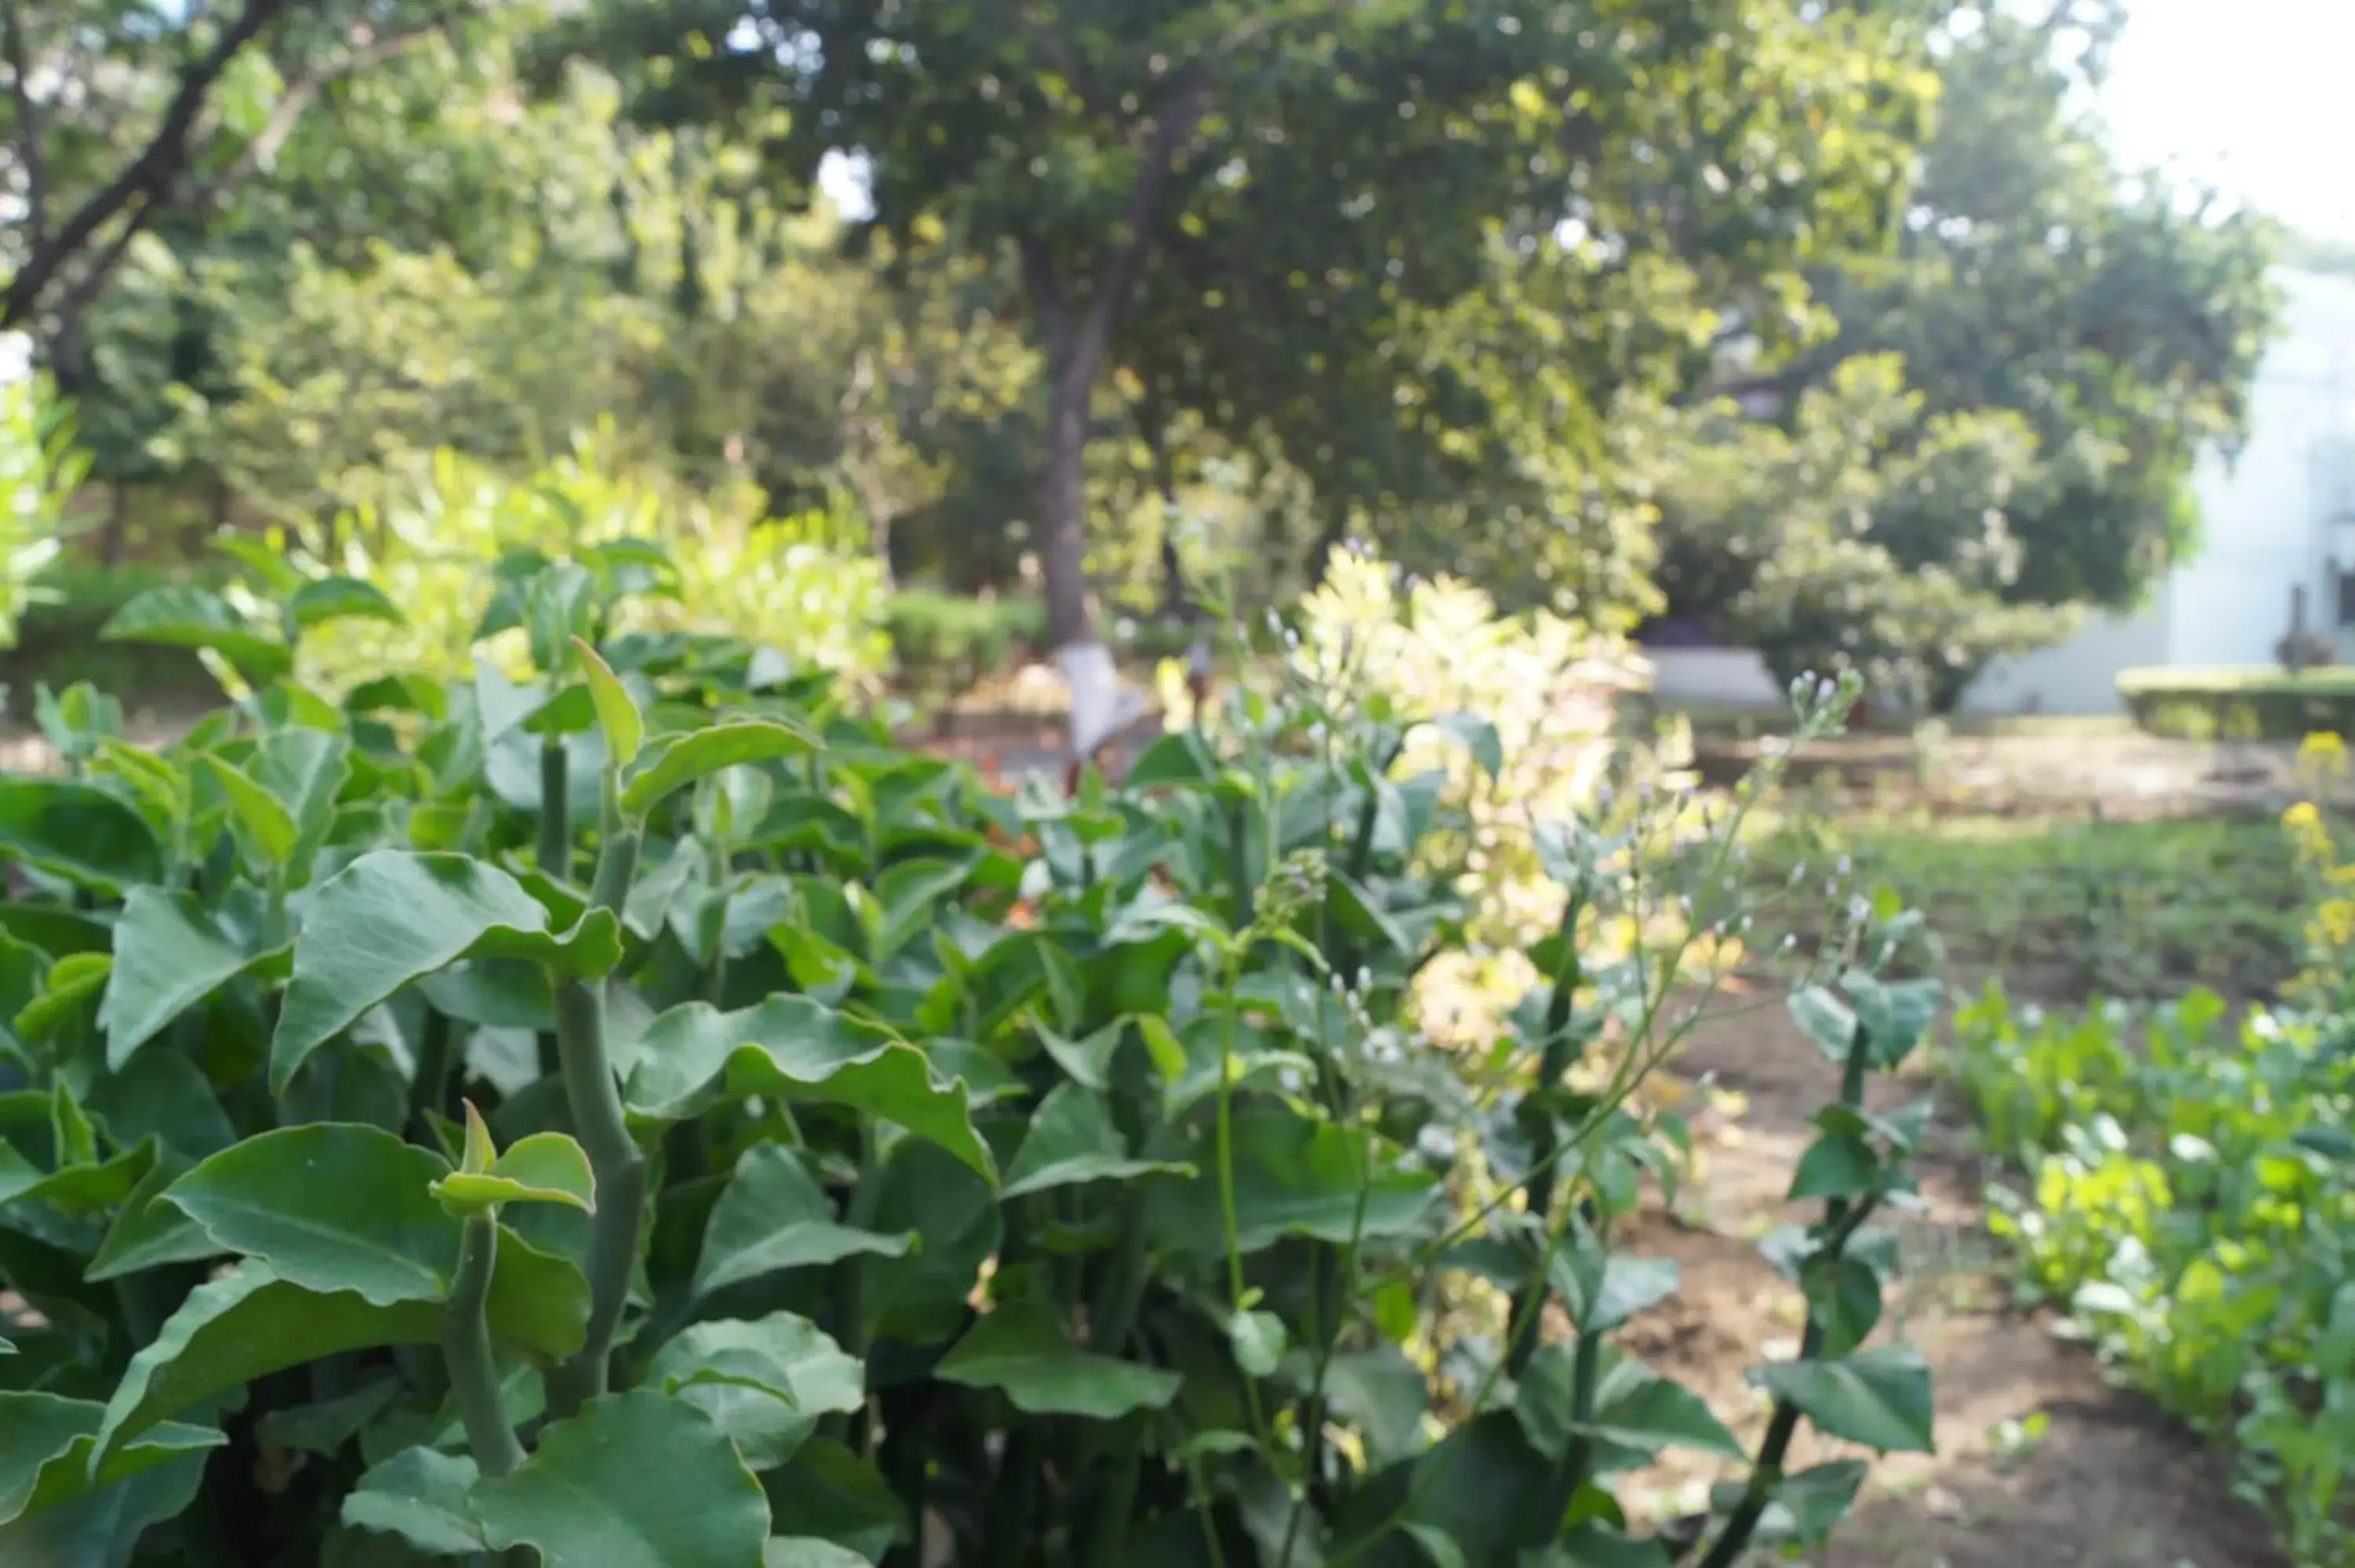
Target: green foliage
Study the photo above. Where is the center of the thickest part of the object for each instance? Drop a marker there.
(1058, 1174)
(39, 468)
(2187, 1199)
(944, 645)
(2119, 907)
(1861, 534)
(2118, 312)
(2241, 703)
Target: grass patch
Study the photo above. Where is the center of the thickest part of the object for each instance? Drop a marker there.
(2069, 906)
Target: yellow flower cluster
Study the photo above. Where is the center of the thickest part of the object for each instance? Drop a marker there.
(2322, 767)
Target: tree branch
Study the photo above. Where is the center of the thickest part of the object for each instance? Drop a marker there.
(29, 125)
(1176, 122)
(148, 177)
(305, 88)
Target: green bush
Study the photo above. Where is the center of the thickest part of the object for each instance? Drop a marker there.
(2190, 1200)
(637, 1115)
(945, 644)
(40, 469)
(58, 642)
(2260, 704)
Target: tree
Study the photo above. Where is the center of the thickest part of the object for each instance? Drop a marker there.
(2120, 315)
(1863, 537)
(1267, 211)
(94, 166)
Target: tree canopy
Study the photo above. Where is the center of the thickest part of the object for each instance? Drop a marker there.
(1574, 298)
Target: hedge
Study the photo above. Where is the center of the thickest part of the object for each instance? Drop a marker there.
(2245, 704)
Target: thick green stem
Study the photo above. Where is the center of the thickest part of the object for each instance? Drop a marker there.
(621, 1173)
(555, 853)
(466, 1350)
(1842, 1220)
(555, 809)
(1561, 1047)
(1124, 1287)
(1108, 1539)
(429, 1091)
(1570, 1472)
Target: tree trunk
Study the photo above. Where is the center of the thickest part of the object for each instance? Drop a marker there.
(1062, 505)
(111, 537)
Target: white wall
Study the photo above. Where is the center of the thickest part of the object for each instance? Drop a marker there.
(1714, 677)
(2079, 676)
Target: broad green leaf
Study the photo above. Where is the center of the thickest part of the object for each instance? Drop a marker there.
(1593, 1545)
(833, 1493)
(391, 918)
(268, 825)
(148, 1231)
(104, 1528)
(78, 832)
(774, 1217)
(1843, 1299)
(82, 1188)
(70, 983)
(1257, 1340)
(1825, 1021)
(1293, 1177)
(1086, 1062)
(617, 711)
(422, 1497)
(1879, 1397)
(1021, 1350)
(793, 1046)
(763, 1382)
(635, 1480)
(1894, 1016)
(179, 616)
(170, 953)
(1476, 735)
(1838, 1164)
(324, 1427)
(559, 602)
(333, 1206)
(1073, 1139)
(808, 1551)
(1439, 1548)
(545, 1168)
(924, 1191)
(339, 597)
(1600, 1292)
(540, 1300)
(46, 1460)
(1635, 1408)
(677, 761)
(244, 1325)
(50, 930)
(1382, 1393)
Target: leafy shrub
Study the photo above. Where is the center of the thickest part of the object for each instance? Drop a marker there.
(794, 583)
(59, 642)
(40, 469)
(2190, 1200)
(2258, 703)
(944, 644)
(635, 1114)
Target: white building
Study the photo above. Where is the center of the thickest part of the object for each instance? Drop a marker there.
(2279, 516)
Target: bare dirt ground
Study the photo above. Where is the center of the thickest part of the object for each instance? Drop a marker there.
(2110, 1483)
(2123, 774)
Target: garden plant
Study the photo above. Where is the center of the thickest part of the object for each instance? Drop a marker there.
(2189, 1199)
(638, 1117)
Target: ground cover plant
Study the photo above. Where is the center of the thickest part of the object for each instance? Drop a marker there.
(636, 1115)
(2186, 1198)
(2067, 906)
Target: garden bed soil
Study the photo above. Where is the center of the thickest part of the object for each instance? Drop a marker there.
(2102, 1481)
